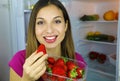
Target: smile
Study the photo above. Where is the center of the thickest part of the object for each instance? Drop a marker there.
(50, 39)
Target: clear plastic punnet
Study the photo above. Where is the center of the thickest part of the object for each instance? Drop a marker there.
(65, 69)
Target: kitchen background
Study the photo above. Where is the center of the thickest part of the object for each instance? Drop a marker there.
(14, 18)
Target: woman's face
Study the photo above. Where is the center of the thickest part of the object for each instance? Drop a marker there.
(50, 26)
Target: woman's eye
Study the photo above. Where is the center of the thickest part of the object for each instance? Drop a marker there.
(40, 22)
(57, 21)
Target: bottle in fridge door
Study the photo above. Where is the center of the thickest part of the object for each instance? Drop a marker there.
(95, 31)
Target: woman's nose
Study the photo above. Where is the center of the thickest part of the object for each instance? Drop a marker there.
(49, 29)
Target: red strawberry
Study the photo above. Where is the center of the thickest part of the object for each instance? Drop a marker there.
(59, 61)
(61, 78)
(58, 70)
(49, 66)
(51, 60)
(44, 76)
(80, 72)
(52, 78)
(70, 65)
(41, 48)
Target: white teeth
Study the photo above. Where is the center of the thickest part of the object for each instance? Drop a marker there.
(50, 38)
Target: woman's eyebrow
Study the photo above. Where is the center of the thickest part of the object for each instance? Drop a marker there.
(39, 18)
(58, 17)
(53, 18)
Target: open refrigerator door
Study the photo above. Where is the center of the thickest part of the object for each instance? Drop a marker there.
(93, 23)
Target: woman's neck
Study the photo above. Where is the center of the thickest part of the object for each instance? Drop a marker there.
(54, 51)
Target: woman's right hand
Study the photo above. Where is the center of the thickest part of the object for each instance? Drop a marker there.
(34, 66)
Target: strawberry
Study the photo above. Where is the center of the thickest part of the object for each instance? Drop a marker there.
(80, 72)
(61, 78)
(49, 66)
(52, 78)
(51, 60)
(44, 76)
(41, 48)
(58, 70)
(70, 65)
(59, 61)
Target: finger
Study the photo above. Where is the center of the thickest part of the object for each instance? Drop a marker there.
(38, 69)
(33, 58)
(40, 73)
(39, 61)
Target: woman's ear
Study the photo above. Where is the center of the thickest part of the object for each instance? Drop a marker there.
(66, 25)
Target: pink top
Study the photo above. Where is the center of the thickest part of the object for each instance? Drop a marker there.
(16, 63)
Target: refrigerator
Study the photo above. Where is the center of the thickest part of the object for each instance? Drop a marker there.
(109, 70)
(14, 22)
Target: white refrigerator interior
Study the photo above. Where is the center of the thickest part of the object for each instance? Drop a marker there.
(78, 8)
(96, 70)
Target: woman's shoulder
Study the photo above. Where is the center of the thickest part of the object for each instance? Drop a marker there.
(79, 57)
(20, 55)
(17, 61)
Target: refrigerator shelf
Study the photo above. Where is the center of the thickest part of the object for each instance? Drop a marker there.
(99, 42)
(107, 68)
(98, 76)
(100, 21)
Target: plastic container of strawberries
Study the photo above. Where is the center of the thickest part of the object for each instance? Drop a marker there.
(69, 70)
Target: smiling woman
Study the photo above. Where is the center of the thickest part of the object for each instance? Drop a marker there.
(49, 25)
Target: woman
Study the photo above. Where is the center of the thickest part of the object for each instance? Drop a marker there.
(49, 25)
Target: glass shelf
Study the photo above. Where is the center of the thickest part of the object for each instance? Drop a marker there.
(107, 68)
(99, 42)
(97, 76)
(101, 21)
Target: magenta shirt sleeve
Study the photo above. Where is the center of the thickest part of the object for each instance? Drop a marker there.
(81, 59)
(16, 63)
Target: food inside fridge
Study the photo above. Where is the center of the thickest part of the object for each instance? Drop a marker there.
(97, 36)
(100, 57)
(93, 17)
(110, 15)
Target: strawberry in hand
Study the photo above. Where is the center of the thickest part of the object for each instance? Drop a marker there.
(41, 48)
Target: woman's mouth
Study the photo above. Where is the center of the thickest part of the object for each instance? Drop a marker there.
(50, 39)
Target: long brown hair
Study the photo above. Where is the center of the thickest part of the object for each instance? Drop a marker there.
(67, 46)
